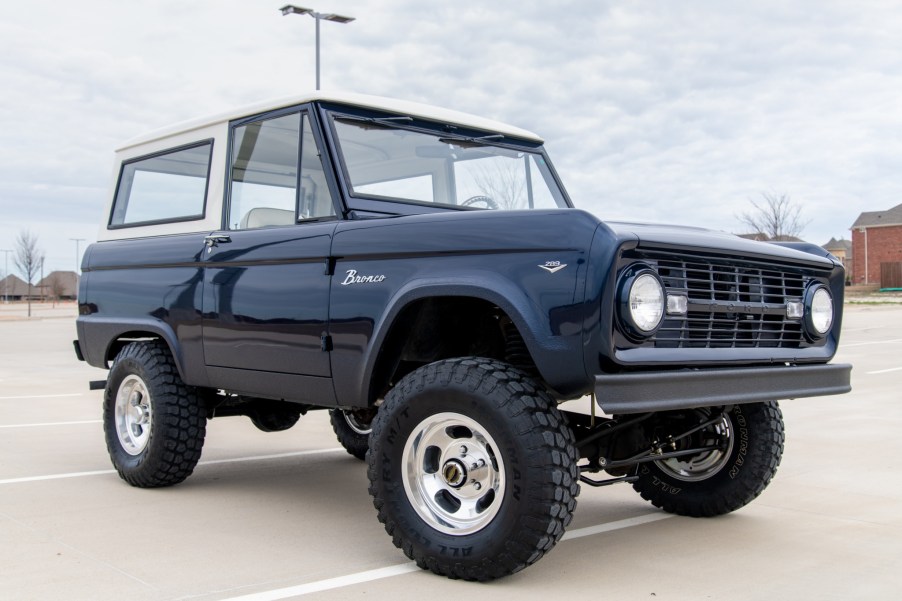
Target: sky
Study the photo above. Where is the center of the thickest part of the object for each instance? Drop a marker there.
(676, 112)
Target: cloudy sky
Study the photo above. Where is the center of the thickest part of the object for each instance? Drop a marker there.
(664, 111)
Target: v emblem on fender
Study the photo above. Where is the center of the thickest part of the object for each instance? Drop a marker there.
(552, 268)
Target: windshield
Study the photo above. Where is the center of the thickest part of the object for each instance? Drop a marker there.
(388, 163)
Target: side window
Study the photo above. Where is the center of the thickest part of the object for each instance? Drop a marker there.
(170, 186)
(266, 188)
(315, 198)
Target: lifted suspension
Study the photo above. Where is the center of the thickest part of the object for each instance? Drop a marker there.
(602, 436)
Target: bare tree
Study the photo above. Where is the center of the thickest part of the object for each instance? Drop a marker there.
(775, 216)
(503, 181)
(28, 259)
(57, 287)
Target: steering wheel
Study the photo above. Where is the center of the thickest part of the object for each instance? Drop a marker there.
(479, 199)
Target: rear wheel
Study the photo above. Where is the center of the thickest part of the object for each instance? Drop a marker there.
(352, 428)
(472, 469)
(154, 424)
(746, 444)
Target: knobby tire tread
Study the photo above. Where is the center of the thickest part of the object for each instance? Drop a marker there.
(552, 447)
(704, 498)
(179, 429)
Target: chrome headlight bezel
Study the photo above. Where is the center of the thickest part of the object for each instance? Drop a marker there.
(633, 323)
(820, 311)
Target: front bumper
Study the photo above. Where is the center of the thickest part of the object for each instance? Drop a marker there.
(642, 392)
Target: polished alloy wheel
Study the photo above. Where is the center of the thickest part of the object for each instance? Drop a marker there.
(453, 474)
(133, 414)
(357, 425)
(694, 468)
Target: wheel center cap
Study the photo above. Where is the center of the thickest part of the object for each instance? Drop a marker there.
(455, 473)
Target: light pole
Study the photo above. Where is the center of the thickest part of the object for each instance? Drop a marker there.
(290, 9)
(6, 277)
(76, 240)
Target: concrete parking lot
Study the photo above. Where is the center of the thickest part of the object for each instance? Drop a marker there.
(287, 515)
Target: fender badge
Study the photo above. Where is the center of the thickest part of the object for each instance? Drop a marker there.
(553, 266)
(353, 278)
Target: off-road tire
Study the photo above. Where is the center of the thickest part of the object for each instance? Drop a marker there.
(177, 424)
(753, 459)
(356, 443)
(535, 446)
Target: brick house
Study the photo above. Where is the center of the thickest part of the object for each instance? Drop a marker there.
(877, 246)
(842, 250)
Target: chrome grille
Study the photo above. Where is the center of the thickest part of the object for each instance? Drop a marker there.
(732, 304)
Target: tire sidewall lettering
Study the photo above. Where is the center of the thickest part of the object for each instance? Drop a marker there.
(456, 398)
(742, 441)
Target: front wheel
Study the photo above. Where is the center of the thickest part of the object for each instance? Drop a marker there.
(472, 469)
(154, 424)
(745, 445)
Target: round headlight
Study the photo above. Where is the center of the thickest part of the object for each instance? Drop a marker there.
(820, 311)
(645, 302)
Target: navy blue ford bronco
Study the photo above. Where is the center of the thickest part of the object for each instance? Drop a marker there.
(422, 275)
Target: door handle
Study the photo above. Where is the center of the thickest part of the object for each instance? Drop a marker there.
(215, 240)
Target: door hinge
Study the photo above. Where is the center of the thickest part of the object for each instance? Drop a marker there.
(330, 266)
(326, 343)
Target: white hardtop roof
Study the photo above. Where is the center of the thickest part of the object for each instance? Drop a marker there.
(361, 100)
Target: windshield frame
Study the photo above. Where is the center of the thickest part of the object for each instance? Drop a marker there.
(370, 203)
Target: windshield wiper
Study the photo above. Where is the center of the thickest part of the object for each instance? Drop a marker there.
(383, 121)
(471, 142)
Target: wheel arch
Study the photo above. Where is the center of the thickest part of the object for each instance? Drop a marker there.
(106, 338)
(510, 302)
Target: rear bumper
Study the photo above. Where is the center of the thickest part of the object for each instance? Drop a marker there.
(642, 392)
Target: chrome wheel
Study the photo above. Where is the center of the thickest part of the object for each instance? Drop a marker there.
(358, 426)
(694, 468)
(133, 414)
(453, 474)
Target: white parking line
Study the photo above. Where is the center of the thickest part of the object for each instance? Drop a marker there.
(331, 583)
(90, 421)
(40, 396)
(406, 568)
(618, 525)
(211, 462)
(870, 343)
(884, 371)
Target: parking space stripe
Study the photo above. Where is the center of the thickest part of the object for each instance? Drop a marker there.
(618, 525)
(210, 462)
(55, 477)
(40, 396)
(409, 567)
(884, 371)
(871, 343)
(89, 421)
(331, 583)
(277, 456)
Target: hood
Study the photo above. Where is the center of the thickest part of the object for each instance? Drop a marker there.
(655, 235)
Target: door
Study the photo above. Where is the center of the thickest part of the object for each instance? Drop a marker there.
(266, 292)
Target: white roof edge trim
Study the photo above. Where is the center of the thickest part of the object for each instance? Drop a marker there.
(416, 109)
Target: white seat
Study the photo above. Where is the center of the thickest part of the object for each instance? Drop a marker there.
(265, 216)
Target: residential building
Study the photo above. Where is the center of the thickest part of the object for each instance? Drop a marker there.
(842, 250)
(877, 247)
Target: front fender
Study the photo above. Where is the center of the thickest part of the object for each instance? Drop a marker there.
(555, 343)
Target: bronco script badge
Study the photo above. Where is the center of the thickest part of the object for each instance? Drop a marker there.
(353, 278)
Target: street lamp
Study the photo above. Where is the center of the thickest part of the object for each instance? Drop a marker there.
(76, 240)
(290, 9)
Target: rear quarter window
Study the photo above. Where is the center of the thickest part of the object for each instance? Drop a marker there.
(163, 187)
